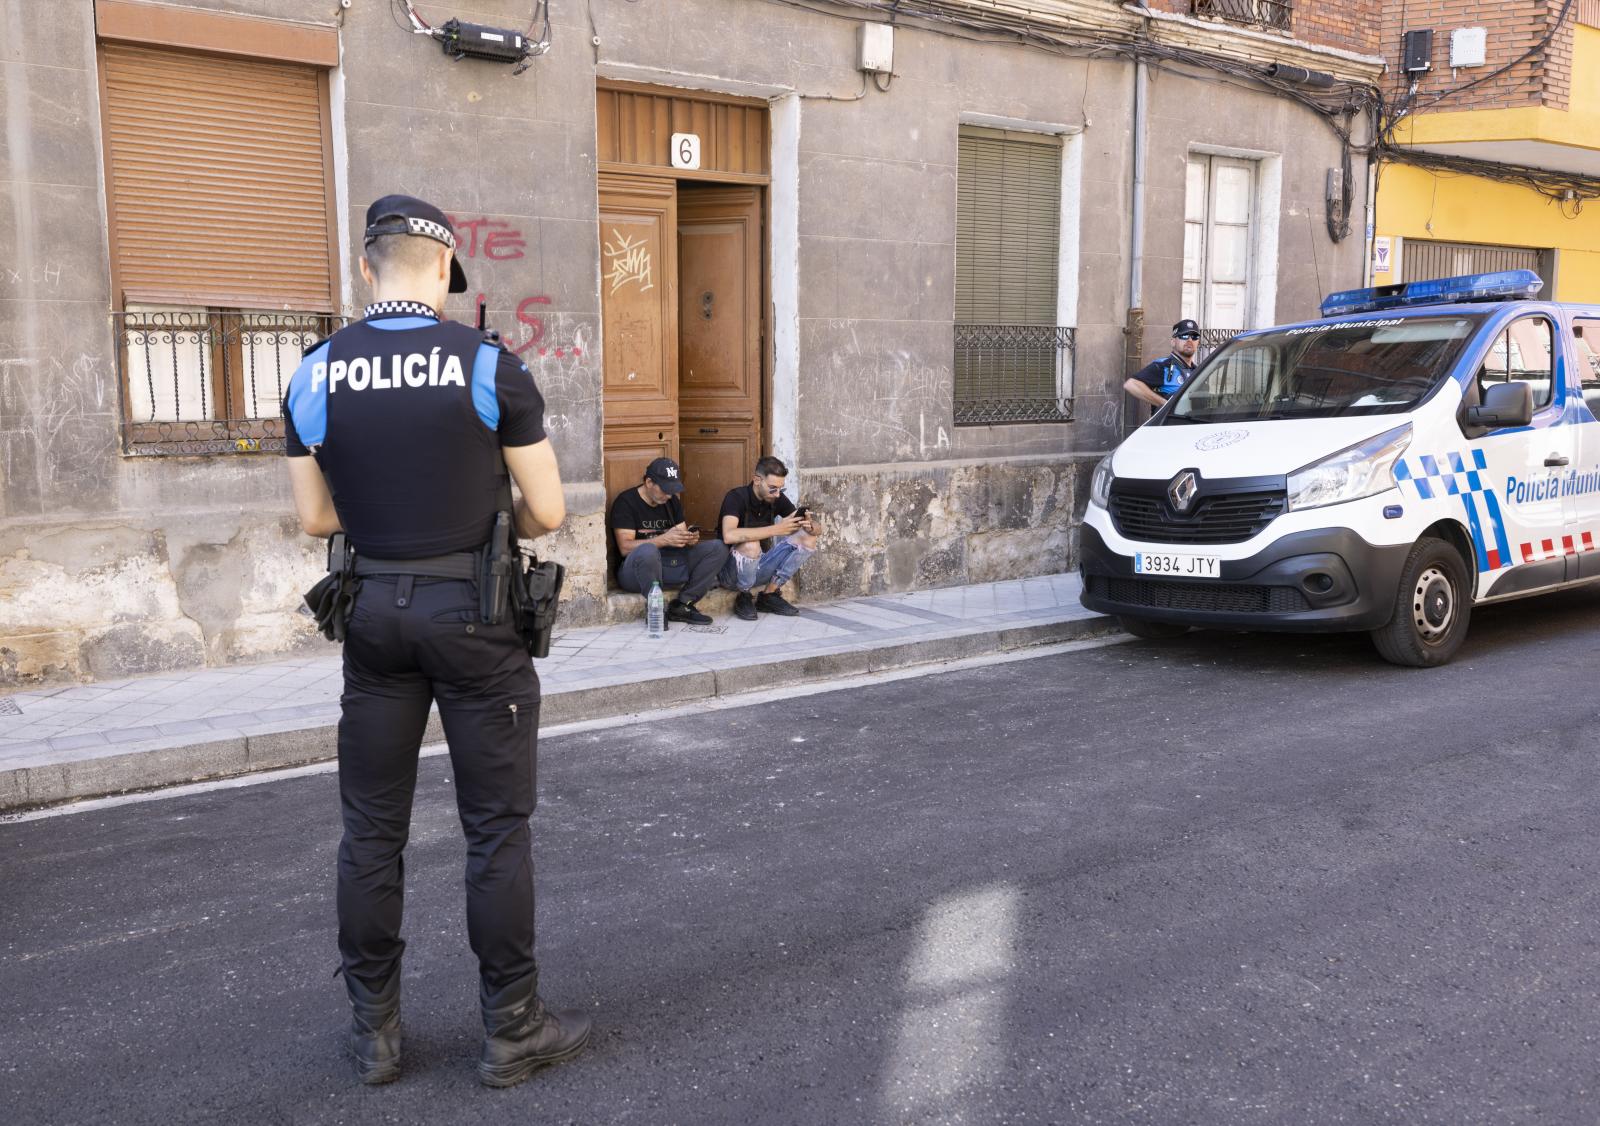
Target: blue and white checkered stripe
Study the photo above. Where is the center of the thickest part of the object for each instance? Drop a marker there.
(1465, 476)
(1450, 475)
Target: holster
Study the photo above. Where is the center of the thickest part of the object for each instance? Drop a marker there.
(334, 596)
(536, 596)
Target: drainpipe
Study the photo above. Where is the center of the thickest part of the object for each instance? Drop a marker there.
(1141, 79)
(1133, 358)
(1372, 219)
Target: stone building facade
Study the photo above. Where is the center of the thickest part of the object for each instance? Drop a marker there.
(143, 529)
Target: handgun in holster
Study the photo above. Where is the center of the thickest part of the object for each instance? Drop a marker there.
(334, 596)
(539, 596)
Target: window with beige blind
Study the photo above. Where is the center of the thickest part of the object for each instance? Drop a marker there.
(1012, 361)
(221, 217)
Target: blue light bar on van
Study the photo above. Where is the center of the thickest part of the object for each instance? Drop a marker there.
(1504, 285)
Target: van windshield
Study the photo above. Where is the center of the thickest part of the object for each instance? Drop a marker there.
(1375, 366)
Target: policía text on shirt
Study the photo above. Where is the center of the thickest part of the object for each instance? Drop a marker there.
(414, 370)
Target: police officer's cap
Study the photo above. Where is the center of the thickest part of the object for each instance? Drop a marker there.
(1186, 327)
(407, 215)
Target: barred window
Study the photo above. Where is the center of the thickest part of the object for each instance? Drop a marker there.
(1012, 361)
(1278, 14)
(220, 201)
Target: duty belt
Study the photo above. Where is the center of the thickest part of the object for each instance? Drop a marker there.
(460, 565)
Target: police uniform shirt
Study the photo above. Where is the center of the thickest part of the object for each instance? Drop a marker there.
(1165, 376)
(406, 415)
(751, 511)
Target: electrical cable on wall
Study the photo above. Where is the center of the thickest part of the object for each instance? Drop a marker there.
(1338, 103)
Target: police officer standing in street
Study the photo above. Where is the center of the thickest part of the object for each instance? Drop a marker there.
(1159, 380)
(395, 429)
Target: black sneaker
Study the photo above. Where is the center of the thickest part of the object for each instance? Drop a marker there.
(744, 606)
(685, 612)
(775, 603)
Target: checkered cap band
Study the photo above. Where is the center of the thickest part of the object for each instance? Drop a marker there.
(409, 308)
(427, 228)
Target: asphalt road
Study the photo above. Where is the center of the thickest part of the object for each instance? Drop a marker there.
(1225, 880)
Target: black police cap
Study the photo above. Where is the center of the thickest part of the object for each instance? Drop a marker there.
(408, 215)
(1186, 327)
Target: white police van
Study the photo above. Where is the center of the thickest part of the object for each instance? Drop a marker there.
(1421, 449)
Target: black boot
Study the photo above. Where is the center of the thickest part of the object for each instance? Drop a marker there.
(521, 1035)
(375, 1029)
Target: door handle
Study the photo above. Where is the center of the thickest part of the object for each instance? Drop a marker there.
(1554, 460)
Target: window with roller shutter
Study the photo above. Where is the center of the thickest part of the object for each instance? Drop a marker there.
(1012, 361)
(220, 206)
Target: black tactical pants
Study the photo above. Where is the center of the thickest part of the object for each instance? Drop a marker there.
(411, 642)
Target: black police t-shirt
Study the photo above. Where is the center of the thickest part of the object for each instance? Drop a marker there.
(406, 416)
(1164, 376)
(630, 512)
(751, 511)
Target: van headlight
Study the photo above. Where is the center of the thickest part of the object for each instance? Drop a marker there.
(1100, 483)
(1362, 470)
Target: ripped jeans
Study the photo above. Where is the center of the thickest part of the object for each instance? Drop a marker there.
(777, 566)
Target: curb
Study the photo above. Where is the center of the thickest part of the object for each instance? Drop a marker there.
(175, 762)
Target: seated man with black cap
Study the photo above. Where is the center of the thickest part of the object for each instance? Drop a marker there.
(657, 546)
(1159, 380)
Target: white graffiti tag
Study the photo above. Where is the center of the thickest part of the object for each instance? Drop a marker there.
(630, 261)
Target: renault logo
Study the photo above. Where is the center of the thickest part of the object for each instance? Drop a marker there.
(1182, 490)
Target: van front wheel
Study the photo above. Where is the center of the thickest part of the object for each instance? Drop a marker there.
(1431, 609)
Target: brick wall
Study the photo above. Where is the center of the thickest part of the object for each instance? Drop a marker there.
(1512, 26)
(1350, 25)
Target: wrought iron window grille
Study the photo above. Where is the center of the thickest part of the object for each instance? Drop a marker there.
(209, 381)
(1013, 373)
(1275, 14)
(1213, 338)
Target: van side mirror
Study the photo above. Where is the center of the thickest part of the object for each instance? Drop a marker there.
(1504, 404)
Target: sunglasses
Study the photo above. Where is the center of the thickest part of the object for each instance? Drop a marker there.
(1187, 336)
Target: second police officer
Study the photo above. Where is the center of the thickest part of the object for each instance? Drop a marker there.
(395, 429)
(1159, 380)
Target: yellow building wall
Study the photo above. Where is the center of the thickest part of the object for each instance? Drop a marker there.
(1585, 99)
(1416, 203)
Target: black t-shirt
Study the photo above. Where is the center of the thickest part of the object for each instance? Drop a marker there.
(1165, 376)
(630, 512)
(406, 416)
(751, 511)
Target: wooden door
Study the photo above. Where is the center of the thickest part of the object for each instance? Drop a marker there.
(719, 351)
(639, 325)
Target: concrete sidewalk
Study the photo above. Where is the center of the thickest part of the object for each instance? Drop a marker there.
(79, 741)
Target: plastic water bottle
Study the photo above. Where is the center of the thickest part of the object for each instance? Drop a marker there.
(655, 612)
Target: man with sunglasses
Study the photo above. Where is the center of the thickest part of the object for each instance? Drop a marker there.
(1159, 380)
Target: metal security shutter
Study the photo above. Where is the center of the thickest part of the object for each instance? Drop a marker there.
(1423, 260)
(1008, 227)
(217, 171)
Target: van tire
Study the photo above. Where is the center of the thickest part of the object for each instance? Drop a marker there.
(1151, 631)
(1431, 608)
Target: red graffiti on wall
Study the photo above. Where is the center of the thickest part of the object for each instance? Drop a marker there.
(498, 240)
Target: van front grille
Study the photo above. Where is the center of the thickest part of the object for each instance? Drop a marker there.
(1223, 518)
